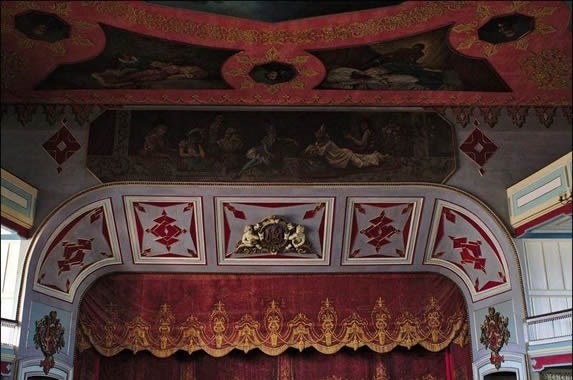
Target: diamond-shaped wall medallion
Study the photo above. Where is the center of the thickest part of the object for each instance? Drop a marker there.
(479, 148)
(61, 146)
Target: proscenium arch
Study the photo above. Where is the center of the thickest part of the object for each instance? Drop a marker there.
(111, 198)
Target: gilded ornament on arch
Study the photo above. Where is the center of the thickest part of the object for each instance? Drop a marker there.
(49, 338)
(494, 335)
(274, 235)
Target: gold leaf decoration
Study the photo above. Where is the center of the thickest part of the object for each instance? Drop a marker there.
(542, 12)
(82, 41)
(272, 54)
(84, 25)
(273, 89)
(244, 59)
(25, 44)
(544, 28)
(299, 60)
(217, 336)
(308, 72)
(247, 84)
(489, 50)
(517, 5)
(297, 84)
(483, 11)
(468, 43)
(58, 48)
(548, 68)
(236, 72)
(521, 44)
(465, 28)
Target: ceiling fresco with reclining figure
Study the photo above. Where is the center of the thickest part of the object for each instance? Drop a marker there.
(465, 54)
(421, 62)
(134, 61)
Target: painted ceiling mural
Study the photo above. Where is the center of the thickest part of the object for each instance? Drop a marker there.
(411, 53)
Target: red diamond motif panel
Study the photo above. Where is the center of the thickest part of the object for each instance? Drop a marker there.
(165, 230)
(380, 230)
(461, 242)
(478, 147)
(62, 145)
(74, 250)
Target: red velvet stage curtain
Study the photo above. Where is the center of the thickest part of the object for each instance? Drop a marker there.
(364, 364)
(372, 326)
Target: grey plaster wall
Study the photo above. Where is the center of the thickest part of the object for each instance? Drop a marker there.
(521, 152)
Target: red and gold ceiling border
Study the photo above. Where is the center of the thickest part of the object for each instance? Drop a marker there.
(537, 67)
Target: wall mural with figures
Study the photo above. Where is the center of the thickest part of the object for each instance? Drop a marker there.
(246, 146)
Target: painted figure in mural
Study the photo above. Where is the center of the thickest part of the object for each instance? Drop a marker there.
(395, 70)
(155, 143)
(364, 143)
(230, 148)
(215, 130)
(263, 154)
(376, 78)
(191, 151)
(133, 72)
(338, 157)
(404, 61)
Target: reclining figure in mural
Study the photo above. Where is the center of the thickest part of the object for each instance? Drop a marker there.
(133, 72)
(395, 70)
(338, 157)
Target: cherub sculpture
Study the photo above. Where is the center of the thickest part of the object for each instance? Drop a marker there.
(296, 238)
(250, 239)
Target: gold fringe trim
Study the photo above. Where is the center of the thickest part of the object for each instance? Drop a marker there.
(273, 335)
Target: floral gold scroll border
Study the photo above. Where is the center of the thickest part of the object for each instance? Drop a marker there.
(236, 70)
(270, 35)
(548, 68)
(483, 12)
(274, 334)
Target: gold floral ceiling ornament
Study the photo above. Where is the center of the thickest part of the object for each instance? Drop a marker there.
(55, 49)
(484, 13)
(274, 235)
(548, 68)
(494, 335)
(243, 66)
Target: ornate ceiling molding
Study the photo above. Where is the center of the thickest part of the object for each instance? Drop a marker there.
(182, 228)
